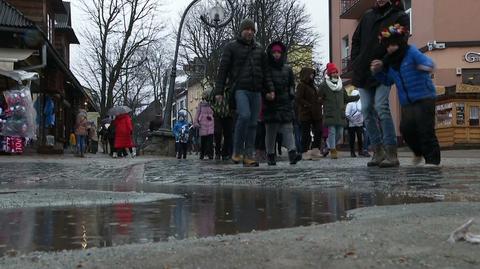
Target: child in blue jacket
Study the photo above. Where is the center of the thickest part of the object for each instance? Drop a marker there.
(409, 69)
(181, 131)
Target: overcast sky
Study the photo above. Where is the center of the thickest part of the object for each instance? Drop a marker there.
(172, 8)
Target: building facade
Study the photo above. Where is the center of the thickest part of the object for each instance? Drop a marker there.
(445, 30)
(43, 29)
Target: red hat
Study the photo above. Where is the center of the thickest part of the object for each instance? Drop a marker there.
(277, 48)
(331, 68)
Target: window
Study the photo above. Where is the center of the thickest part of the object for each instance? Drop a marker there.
(408, 10)
(474, 111)
(444, 114)
(471, 76)
(345, 54)
(182, 104)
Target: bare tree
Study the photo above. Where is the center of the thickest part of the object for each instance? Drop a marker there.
(277, 20)
(120, 29)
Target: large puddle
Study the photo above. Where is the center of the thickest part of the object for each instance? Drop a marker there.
(206, 211)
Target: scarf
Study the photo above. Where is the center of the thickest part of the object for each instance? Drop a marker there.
(334, 86)
(395, 60)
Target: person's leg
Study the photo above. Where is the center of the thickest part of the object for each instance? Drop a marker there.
(184, 149)
(382, 107)
(331, 137)
(317, 134)
(203, 144)
(359, 132)
(210, 146)
(218, 133)
(227, 137)
(367, 97)
(178, 150)
(408, 129)
(351, 141)
(426, 131)
(255, 100)
(279, 142)
(270, 138)
(243, 122)
(306, 136)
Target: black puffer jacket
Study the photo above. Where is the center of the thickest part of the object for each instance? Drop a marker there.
(253, 76)
(280, 110)
(365, 44)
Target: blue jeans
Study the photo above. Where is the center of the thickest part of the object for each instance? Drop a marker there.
(334, 134)
(248, 110)
(376, 107)
(81, 143)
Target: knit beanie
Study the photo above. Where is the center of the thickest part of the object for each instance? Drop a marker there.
(247, 24)
(331, 68)
(394, 34)
(277, 48)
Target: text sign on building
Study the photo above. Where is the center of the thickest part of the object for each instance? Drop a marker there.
(472, 57)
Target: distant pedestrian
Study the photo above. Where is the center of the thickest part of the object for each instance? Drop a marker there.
(72, 142)
(260, 147)
(181, 131)
(111, 139)
(374, 95)
(123, 135)
(245, 65)
(334, 98)
(224, 123)
(93, 138)
(353, 112)
(410, 70)
(81, 126)
(279, 113)
(204, 120)
(309, 105)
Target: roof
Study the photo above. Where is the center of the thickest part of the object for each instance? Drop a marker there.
(12, 17)
(63, 23)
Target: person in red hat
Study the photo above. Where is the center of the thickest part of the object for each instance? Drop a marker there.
(335, 99)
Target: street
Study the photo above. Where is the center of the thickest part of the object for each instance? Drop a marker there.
(190, 213)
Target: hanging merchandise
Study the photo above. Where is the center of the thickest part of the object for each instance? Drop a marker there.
(20, 114)
(49, 112)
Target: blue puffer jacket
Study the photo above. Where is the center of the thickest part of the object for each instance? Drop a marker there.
(412, 84)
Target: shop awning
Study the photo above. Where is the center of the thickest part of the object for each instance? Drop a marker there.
(10, 56)
(19, 75)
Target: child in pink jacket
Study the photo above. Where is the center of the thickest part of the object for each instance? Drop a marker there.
(205, 122)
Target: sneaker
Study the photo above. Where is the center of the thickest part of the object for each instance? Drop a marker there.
(316, 154)
(417, 160)
(236, 159)
(249, 162)
(307, 156)
(115, 155)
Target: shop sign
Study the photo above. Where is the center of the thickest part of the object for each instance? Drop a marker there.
(472, 57)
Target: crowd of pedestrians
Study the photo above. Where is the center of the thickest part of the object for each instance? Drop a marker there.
(259, 101)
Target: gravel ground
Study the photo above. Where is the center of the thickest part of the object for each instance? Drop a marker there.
(73, 198)
(409, 236)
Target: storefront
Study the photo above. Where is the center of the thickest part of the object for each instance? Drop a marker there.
(457, 112)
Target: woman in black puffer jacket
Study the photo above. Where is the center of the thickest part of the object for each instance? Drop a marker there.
(279, 113)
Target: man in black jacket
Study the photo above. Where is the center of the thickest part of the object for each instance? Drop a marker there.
(374, 96)
(243, 68)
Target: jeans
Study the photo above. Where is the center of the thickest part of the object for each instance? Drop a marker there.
(366, 139)
(334, 134)
(376, 107)
(418, 130)
(81, 143)
(248, 110)
(288, 140)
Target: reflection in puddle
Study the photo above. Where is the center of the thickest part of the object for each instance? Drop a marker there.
(206, 211)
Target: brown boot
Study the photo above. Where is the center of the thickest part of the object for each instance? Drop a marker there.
(333, 154)
(391, 159)
(378, 156)
(250, 162)
(236, 159)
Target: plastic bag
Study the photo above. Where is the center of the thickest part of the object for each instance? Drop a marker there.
(20, 115)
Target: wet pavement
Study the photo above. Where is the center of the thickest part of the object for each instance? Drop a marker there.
(218, 198)
(204, 212)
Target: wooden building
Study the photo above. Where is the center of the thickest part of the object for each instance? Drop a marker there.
(43, 29)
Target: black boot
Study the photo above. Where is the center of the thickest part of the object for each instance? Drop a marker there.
(352, 154)
(293, 157)
(271, 159)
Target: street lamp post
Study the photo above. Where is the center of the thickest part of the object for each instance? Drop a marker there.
(216, 13)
